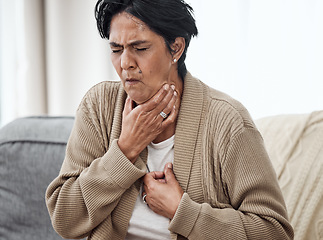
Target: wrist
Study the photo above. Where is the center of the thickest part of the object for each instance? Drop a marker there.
(128, 151)
(176, 204)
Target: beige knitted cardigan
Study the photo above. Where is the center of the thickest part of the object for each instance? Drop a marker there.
(231, 190)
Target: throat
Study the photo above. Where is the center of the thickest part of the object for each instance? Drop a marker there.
(167, 133)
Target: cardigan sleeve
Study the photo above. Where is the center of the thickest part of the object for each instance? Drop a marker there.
(257, 207)
(92, 179)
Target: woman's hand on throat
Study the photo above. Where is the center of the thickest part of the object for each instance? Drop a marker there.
(144, 123)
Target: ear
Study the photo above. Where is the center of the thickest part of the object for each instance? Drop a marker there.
(178, 47)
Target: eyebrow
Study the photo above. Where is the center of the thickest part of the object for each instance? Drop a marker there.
(135, 43)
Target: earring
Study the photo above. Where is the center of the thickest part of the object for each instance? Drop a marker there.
(175, 60)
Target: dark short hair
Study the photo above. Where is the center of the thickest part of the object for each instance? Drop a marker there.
(168, 18)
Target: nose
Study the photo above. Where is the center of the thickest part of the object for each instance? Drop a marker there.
(127, 60)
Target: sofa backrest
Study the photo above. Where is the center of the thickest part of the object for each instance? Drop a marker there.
(295, 146)
(31, 153)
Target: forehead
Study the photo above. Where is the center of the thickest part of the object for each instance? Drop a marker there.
(124, 27)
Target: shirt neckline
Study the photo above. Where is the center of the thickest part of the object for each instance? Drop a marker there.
(166, 143)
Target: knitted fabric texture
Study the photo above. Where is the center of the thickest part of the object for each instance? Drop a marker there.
(231, 189)
(295, 146)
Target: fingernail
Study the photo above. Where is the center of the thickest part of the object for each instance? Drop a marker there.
(169, 165)
(166, 86)
(173, 87)
(175, 93)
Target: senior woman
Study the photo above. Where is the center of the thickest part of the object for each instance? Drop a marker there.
(160, 155)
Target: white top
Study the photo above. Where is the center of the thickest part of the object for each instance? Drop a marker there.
(144, 223)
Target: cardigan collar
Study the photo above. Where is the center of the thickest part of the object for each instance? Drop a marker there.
(187, 127)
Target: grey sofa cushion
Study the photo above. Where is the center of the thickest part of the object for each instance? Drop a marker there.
(31, 153)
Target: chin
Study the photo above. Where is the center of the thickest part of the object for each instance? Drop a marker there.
(138, 99)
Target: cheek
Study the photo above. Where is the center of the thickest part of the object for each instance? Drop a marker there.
(156, 69)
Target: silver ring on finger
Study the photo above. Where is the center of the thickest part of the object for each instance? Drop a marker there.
(164, 115)
(144, 198)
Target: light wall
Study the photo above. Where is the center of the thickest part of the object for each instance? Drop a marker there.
(51, 54)
(266, 54)
(77, 57)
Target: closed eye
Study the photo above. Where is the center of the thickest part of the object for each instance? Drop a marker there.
(141, 49)
(116, 50)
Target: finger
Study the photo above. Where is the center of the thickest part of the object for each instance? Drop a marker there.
(150, 178)
(164, 104)
(162, 180)
(156, 99)
(170, 106)
(169, 174)
(127, 106)
(168, 165)
(171, 117)
(153, 176)
(158, 175)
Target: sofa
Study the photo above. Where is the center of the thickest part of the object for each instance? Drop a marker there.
(295, 146)
(32, 150)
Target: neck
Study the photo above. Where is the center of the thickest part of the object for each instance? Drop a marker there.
(177, 81)
(167, 133)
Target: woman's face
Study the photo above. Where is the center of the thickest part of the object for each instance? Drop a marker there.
(140, 57)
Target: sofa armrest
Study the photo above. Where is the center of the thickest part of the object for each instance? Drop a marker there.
(31, 153)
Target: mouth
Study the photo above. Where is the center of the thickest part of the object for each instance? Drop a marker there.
(132, 81)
